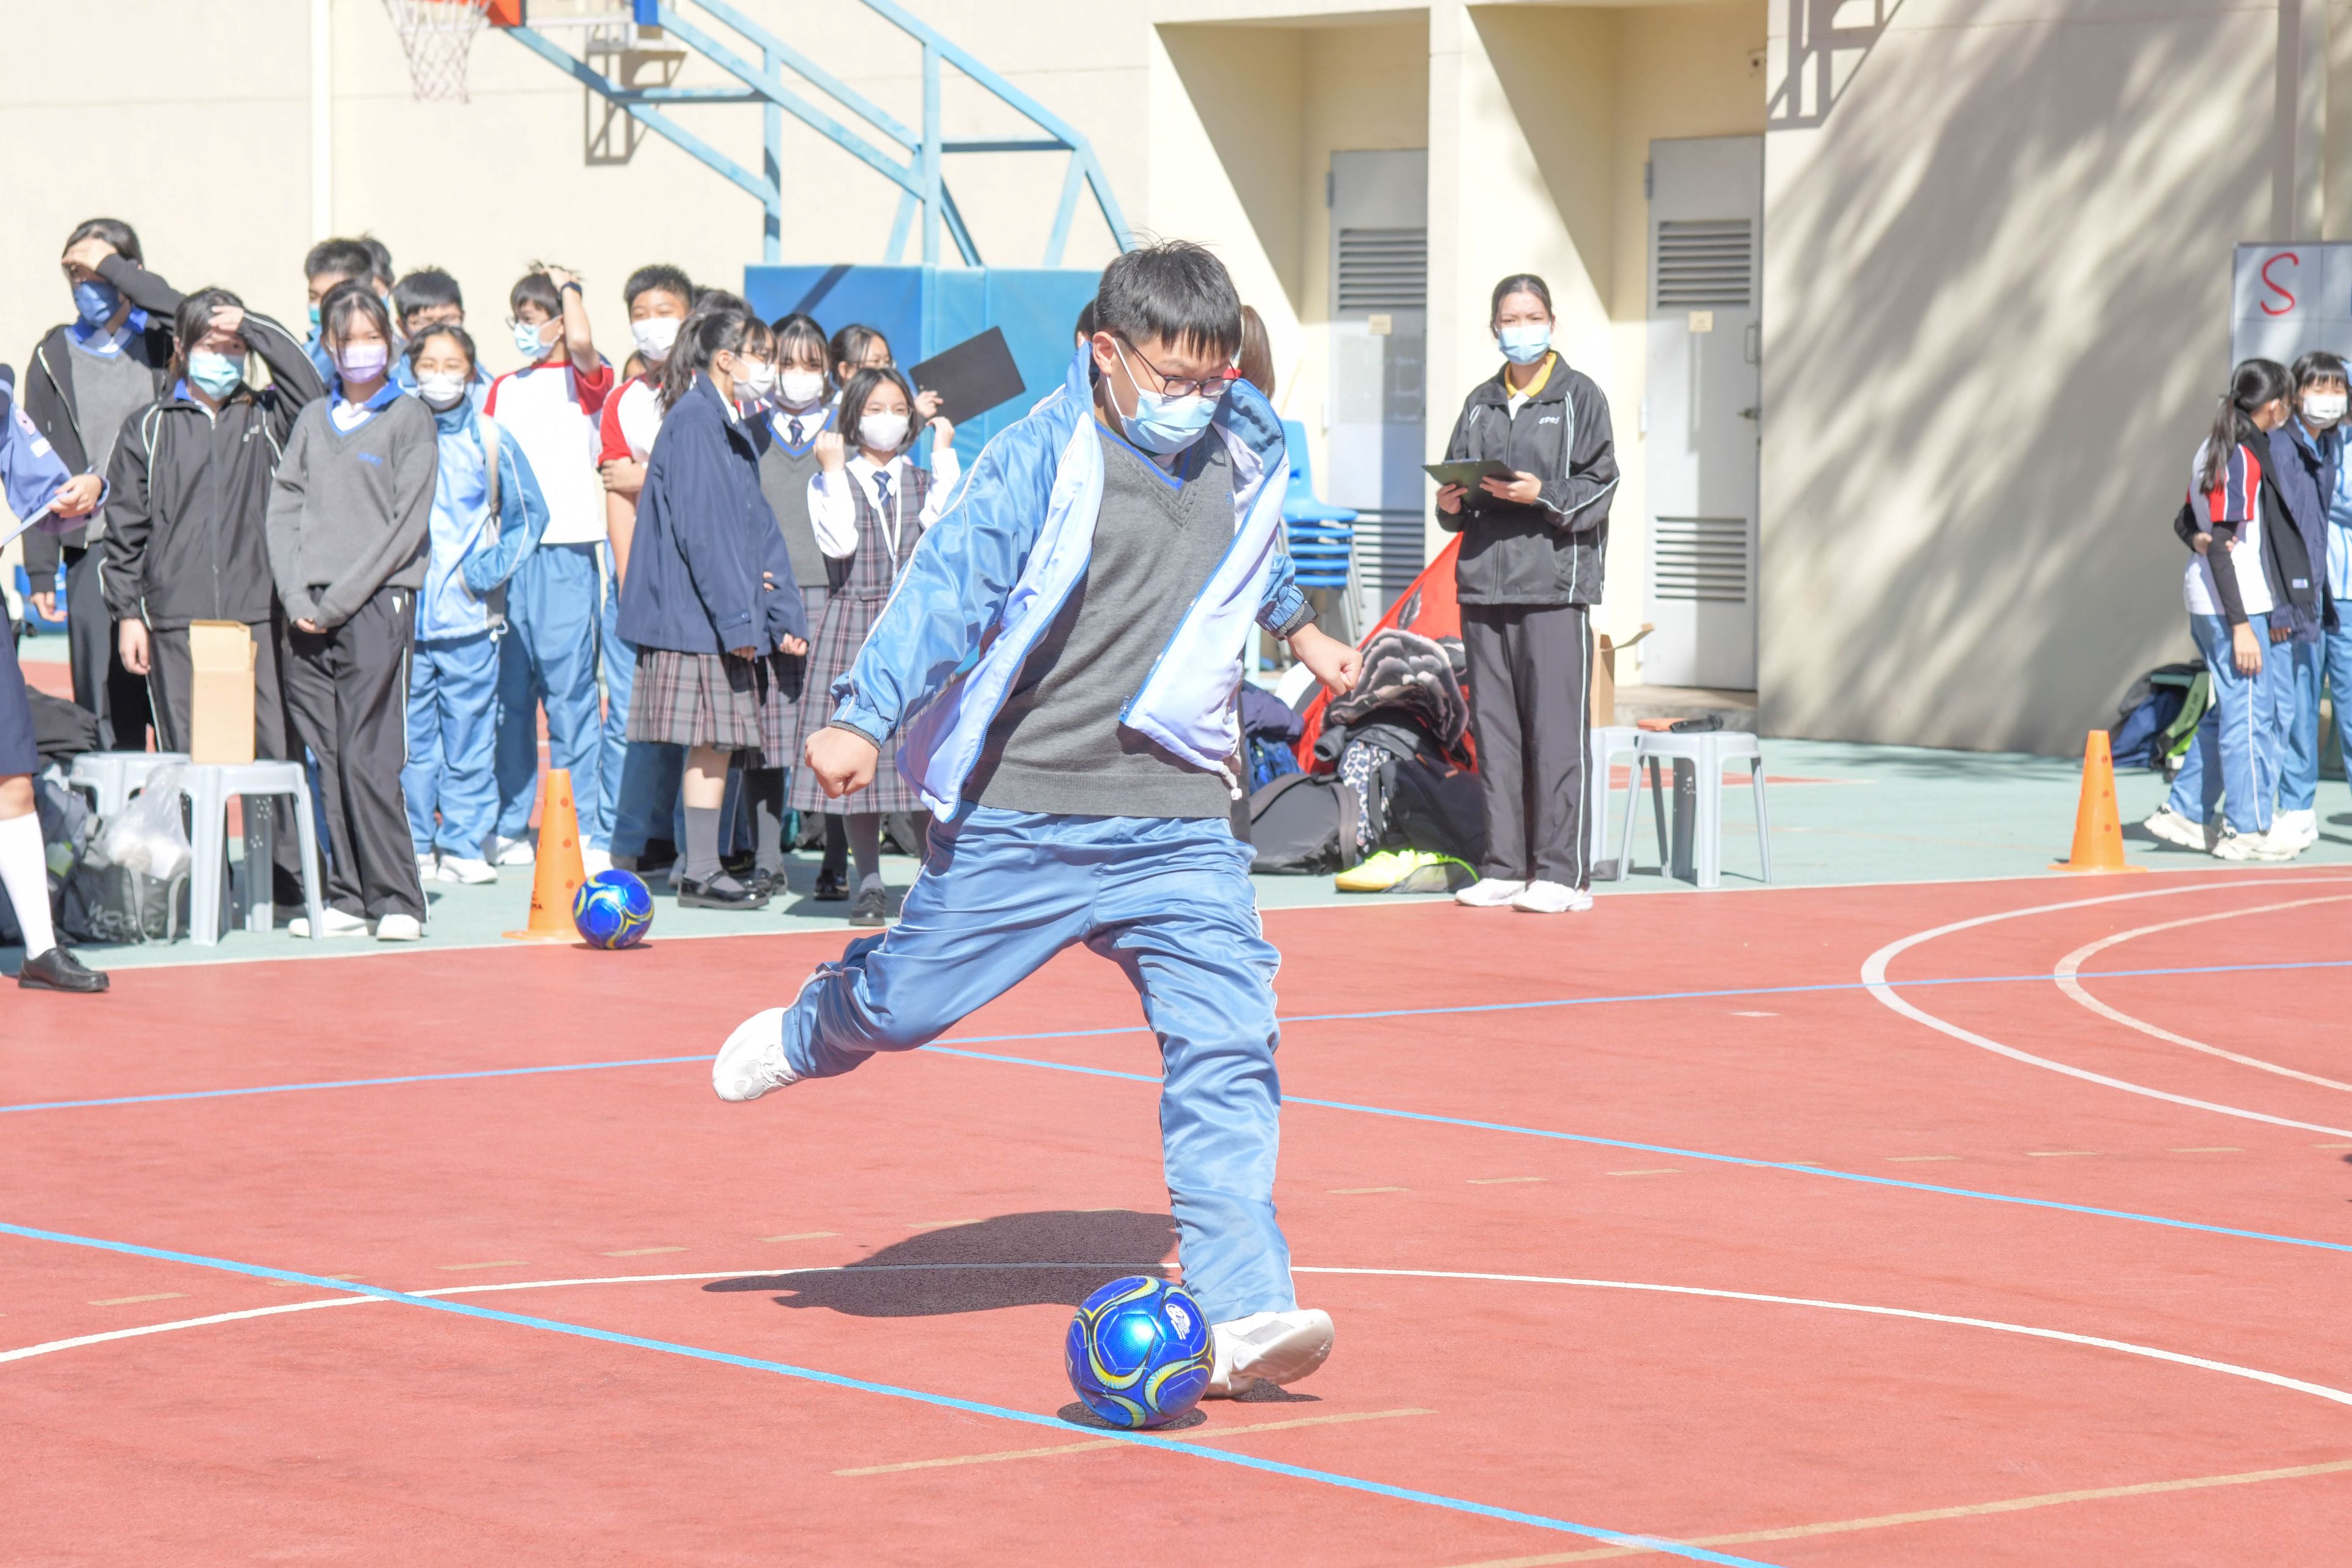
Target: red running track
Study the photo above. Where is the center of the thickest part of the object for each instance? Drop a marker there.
(1622, 1375)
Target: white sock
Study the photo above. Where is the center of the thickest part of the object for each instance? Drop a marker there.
(25, 872)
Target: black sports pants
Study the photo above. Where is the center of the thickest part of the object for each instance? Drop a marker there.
(347, 696)
(1531, 696)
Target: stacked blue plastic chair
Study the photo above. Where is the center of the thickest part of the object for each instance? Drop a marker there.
(1322, 536)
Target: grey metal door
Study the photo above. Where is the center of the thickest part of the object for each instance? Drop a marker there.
(1379, 333)
(1702, 418)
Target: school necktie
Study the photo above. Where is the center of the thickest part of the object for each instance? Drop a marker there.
(795, 437)
(882, 491)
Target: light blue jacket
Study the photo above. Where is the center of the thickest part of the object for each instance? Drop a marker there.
(989, 578)
(450, 604)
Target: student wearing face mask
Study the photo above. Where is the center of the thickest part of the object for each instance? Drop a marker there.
(797, 415)
(1059, 661)
(562, 603)
(484, 492)
(429, 298)
(860, 347)
(84, 379)
(2235, 584)
(349, 528)
(2305, 454)
(868, 506)
(188, 495)
(326, 267)
(1533, 550)
(709, 603)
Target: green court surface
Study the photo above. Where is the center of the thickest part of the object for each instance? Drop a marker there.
(1842, 815)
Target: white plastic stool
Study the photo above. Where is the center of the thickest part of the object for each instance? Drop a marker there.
(114, 777)
(1609, 741)
(1698, 757)
(207, 787)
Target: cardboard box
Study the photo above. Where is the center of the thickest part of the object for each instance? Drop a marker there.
(1604, 675)
(220, 705)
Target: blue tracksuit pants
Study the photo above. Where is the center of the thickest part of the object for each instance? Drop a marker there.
(1168, 900)
(560, 616)
(453, 686)
(2321, 668)
(2234, 763)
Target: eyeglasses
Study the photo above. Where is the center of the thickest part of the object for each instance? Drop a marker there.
(1211, 387)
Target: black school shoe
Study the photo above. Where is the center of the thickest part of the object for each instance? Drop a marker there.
(831, 886)
(58, 970)
(873, 905)
(721, 892)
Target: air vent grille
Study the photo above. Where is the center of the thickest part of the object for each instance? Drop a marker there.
(1384, 269)
(1700, 558)
(1706, 264)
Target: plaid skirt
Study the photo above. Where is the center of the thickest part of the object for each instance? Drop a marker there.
(847, 619)
(712, 699)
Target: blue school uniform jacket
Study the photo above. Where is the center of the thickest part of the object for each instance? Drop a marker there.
(30, 468)
(705, 537)
(465, 536)
(989, 578)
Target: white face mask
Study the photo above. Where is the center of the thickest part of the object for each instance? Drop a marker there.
(883, 432)
(655, 335)
(445, 390)
(799, 388)
(2323, 407)
(754, 379)
(528, 342)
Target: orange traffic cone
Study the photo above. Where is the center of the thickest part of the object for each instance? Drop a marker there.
(557, 873)
(2098, 830)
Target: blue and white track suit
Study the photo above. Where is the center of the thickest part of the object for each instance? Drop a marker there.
(1168, 900)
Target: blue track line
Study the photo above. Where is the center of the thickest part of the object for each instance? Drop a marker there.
(917, 1395)
(1140, 1029)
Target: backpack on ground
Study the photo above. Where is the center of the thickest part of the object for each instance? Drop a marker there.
(2161, 715)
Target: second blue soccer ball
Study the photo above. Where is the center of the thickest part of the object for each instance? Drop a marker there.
(1138, 1352)
(612, 908)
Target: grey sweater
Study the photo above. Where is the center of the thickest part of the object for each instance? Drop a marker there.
(350, 513)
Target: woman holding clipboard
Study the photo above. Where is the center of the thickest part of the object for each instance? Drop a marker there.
(1532, 508)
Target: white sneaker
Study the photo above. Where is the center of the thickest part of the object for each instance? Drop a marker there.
(595, 862)
(398, 928)
(1540, 898)
(457, 868)
(1488, 894)
(501, 851)
(2170, 827)
(428, 868)
(336, 923)
(752, 1062)
(2297, 829)
(1269, 1347)
(2251, 846)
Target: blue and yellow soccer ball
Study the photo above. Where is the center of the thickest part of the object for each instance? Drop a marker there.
(1138, 1352)
(613, 910)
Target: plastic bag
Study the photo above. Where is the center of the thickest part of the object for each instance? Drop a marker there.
(146, 835)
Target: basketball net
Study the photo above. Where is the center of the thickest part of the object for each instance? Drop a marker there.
(436, 35)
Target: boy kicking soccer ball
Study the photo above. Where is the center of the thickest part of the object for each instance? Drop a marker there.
(1106, 563)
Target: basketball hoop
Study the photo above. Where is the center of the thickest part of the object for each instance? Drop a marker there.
(437, 36)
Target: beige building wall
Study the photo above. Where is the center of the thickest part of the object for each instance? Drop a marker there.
(1996, 301)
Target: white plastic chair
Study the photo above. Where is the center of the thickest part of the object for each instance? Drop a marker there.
(207, 787)
(114, 777)
(1707, 751)
(1609, 741)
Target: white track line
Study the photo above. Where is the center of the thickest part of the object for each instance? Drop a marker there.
(2067, 975)
(1874, 976)
(2149, 1353)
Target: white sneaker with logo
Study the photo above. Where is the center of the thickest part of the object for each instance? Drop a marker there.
(1268, 1347)
(2169, 827)
(1489, 893)
(1551, 899)
(752, 1063)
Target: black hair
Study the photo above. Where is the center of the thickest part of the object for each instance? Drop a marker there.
(717, 299)
(353, 297)
(113, 230)
(1255, 362)
(192, 319)
(535, 288)
(702, 337)
(455, 333)
(1175, 291)
(660, 277)
(2254, 383)
(798, 336)
(1519, 283)
(339, 258)
(848, 348)
(427, 289)
(2317, 366)
(1085, 324)
(861, 387)
(379, 261)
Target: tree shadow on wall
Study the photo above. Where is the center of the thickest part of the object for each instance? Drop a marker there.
(1059, 1257)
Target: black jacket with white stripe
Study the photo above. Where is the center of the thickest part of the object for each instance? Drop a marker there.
(1551, 553)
